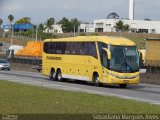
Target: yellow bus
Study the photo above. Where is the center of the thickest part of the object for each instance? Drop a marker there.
(98, 59)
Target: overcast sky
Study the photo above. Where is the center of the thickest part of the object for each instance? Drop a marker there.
(84, 10)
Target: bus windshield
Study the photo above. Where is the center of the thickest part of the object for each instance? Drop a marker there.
(124, 58)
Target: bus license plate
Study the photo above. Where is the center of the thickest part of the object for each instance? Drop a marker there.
(126, 81)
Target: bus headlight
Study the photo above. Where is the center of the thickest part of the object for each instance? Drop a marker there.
(127, 77)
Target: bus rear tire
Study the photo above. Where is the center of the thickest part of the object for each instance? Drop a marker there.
(59, 75)
(96, 80)
(122, 85)
(52, 75)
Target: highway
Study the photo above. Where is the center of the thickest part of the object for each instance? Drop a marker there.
(141, 92)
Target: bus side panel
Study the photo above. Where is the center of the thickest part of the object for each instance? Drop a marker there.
(92, 65)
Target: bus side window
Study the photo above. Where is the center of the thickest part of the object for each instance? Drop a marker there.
(91, 47)
(67, 50)
(46, 47)
(83, 48)
(104, 59)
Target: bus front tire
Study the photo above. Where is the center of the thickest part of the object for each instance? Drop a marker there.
(59, 76)
(122, 85)
(96, 80)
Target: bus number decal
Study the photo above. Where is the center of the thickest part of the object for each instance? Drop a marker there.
(53, 58)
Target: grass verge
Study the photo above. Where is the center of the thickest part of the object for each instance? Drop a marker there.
(25, 99)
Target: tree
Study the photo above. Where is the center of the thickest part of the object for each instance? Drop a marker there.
(121, 27)
(126, 28)
(113, 15)
(66, 25)
(1, 21)
(10, 18)
(69, 25)
(147, 19)
(49, 23)
(75, 23)
(24, 20)
(41, 27)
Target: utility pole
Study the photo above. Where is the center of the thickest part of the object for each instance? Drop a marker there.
(12, 30)
(74, 31)
(78, 29)
(36, 32)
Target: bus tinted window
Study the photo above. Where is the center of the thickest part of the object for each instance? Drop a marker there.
(92, 49)
(72, 48)
(45, 47)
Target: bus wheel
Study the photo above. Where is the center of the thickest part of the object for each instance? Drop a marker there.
(52, 75)
(122, 85)
(96, 80)
(59, 76)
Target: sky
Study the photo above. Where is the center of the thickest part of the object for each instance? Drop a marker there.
(85, 10)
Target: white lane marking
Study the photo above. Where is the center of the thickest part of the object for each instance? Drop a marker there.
(17, 71)
(129, 91)
(23, 73)
(149, 85)
(81, 89)
(154, 94)
(111, 94)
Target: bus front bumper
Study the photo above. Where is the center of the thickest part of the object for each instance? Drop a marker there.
(129, 80)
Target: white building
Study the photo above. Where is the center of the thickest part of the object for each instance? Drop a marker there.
(104, 25)
(56, 29)
(139, 26)
(108, 25)
(86, 28)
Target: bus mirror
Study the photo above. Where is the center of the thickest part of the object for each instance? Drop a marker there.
(108, 53)
(141, 58)
(142, 54)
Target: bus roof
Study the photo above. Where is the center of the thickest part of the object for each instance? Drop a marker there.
(106, 39)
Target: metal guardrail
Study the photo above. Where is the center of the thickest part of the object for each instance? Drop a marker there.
(27, 60)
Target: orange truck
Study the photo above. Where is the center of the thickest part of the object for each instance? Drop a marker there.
(33, 49)
(152, 55)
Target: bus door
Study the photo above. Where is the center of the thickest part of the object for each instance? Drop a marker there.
(105, 64)
(91, 62)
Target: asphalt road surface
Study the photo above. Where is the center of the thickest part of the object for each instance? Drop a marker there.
(141, 92)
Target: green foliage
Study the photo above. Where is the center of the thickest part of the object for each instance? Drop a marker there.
(126, 28)
(41, 28)
(44, 36)
(147, 19)
(113, 15)
(41, 35)
(10, 18)
(66, 25)
(74, 24)
(82, 34)
(24, 20)
(49, 23)
(25, 99)
(69, 25)
(121, 27)
(1, 21)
